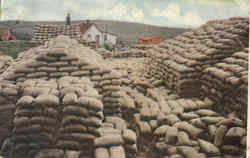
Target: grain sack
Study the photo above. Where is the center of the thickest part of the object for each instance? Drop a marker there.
(49, 100)
(90, 103)
(21, 121)
(67, 144)
(183, 139)
(190, 129)
(209, 148)
(70, 98)
(198, 123)
(108, 140)
(50, 153)
(118, 122)
(220, 134)
(80, 73)
(189, 152)
(74, 129)
(171, 135)
(236, 132)
(171, 119)
(43, 120)
(117, 152)
(129, 136)
(102, 153)
(74, 110)
(176, 156)
(188, 116)
(206, 112)
(79, 137)
(161, 131)
(7, 107)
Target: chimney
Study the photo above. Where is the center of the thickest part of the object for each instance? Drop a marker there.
(68, 22)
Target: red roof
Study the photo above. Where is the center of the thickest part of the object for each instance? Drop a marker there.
(84, 27)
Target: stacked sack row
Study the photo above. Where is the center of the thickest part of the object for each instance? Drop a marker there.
(188, 54)
(43, 33)
(201, 133)
(8, 98)
(81, 114)
(116, 141)
(89, 43)
(154, 114)
(227, 81)
(66, 57)
(133, 53)
(111, 94)
(5, 62)
(36, 118)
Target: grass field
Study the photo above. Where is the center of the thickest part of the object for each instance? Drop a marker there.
(12, 48)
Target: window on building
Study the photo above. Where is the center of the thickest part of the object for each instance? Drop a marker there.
(105, 37)
(89, 35)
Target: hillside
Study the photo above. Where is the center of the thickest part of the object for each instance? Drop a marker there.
(125, 30)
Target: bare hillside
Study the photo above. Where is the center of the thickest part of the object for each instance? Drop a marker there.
(125, 30)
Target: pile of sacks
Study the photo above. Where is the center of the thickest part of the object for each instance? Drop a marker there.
(181, 60)
(5, 62)
(142, 46)
(89, 43)
(201, 133)
(116, 141)
(8, 98)
(36, 118)
(66, 57)
(227, 81)
(133, 53)
(81, 114)
(43, 33)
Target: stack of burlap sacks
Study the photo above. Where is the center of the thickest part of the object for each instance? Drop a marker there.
(116, 141)
(133, 53)
(5, 62)
(179, 61)
(89, 43)
(227, 82)
(65, 57)
(183, 128)
(8, 98)
(201, 133)
(35, 122)
(43, 33)
(66, 90)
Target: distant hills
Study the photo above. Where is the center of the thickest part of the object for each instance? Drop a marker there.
(127, 31)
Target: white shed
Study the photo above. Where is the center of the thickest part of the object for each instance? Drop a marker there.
(93, 32)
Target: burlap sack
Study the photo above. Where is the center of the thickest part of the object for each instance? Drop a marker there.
(49, 100)
(117, 152)
(67, 144)
(108, 140)
(190, 129)
(75, 128)
(79, 137)
(90, 103)
(129, 136)
(75, 110)
(209, 148)
(102, 153)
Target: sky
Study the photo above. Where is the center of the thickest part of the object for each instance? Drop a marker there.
(171, 13)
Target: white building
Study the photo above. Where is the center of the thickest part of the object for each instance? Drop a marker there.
(93, 32)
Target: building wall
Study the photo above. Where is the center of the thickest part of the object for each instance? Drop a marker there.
(110, 38)
(93, 32)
